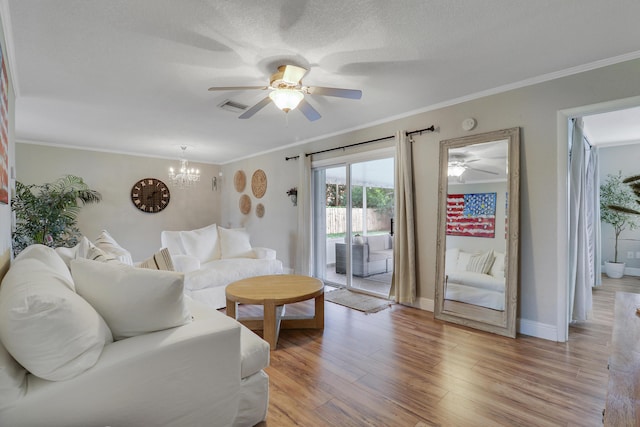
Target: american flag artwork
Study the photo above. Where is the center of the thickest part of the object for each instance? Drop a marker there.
(472, 215)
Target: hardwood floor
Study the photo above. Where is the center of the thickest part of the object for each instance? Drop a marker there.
(401, 367)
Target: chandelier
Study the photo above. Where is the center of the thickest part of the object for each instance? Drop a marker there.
(185, 177)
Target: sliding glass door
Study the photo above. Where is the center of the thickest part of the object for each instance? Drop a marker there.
(353, 215)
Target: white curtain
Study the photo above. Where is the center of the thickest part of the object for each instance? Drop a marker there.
(303, 244)
(403, 281)
(582, 222)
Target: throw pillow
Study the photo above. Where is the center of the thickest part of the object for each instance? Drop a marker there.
(48, 328)
(201, 243)
(161, 260)
(481, 263)
(133, 301)
(109, 245)
(234, 243)
(497, 269)
(171, 240)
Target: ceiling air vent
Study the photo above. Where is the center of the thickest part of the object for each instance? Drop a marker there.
(234, 107)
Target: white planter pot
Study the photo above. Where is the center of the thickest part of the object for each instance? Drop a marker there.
(614, 270)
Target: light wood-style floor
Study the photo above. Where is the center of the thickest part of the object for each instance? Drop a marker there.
(401, 367)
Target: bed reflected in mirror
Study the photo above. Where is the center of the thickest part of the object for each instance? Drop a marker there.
(477, 235)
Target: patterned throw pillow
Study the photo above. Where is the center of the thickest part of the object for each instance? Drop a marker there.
(108, 244)
(161, 260)
(481, 263)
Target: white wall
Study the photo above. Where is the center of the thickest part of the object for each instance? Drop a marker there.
(535, 109)
(613, 159)
(113, 175)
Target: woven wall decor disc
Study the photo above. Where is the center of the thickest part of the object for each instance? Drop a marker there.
(259, 210)
(245, 204)
(239, 181)
(259, 183)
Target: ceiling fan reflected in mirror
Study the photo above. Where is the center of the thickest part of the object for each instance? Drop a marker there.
(458, 164)
(288, 92)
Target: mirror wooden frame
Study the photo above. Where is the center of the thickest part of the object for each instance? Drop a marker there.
(486, 319)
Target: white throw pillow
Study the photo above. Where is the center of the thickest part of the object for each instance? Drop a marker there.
(133, 301)
(481, 263)
(49, 329)
(234, 243)
(172, 241)
(497, 269)
(88, 250)
(161, 260)
(463, 260)
(108, 244)
(451, 259)
(201, 243)
(67, 254)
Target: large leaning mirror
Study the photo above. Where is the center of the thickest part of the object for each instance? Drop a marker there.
(478, 199)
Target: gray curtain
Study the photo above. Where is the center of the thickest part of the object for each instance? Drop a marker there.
(582, 222)
(403, 281)
(303, 244)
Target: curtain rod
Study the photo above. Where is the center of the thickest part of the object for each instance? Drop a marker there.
(384, 138)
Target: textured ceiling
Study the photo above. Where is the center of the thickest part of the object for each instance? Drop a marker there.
(132, 75)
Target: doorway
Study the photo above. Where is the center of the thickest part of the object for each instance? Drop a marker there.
(353, 202)
(594, 128)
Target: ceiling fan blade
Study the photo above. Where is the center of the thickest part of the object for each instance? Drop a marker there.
(293, 74)
(239, 88)
(251, 111)
(482, 170)
(332, 91)
(310, 113)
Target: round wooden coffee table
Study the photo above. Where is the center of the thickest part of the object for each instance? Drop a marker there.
(273, 292)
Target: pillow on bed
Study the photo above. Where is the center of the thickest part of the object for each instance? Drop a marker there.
(481, 263)
(108, 244)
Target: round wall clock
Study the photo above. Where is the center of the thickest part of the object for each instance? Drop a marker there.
(150, 195)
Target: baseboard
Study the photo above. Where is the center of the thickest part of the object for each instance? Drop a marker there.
(630, 271)
(537, 329)
(524, 326)
(423, 304)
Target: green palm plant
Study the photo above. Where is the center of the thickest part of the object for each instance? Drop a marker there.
(47, 213)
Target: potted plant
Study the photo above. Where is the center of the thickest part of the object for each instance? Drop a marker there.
(614, 195)
(47, 213)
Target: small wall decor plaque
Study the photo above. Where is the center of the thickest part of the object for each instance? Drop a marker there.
(245, 204)
(259, 183)
(239, 181)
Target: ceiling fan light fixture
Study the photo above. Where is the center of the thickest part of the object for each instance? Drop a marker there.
(456, 170)
(286, 99)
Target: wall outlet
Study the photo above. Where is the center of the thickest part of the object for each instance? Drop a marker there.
(630, 255)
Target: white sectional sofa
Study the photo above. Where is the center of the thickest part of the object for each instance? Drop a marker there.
(108, 344)
(212, 257)
(475, 277)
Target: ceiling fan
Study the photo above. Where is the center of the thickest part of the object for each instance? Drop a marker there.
(458, 164)
(287, 92)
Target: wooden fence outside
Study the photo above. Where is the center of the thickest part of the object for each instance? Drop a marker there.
(337, 220)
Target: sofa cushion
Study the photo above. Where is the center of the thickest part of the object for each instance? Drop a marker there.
(108, 244)
(254, 351)
(172, 241)
(49, 329)
(201, 243)
(133, 301)
(13, 379)
(378, 242)
(161, 260)
(235, 243)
